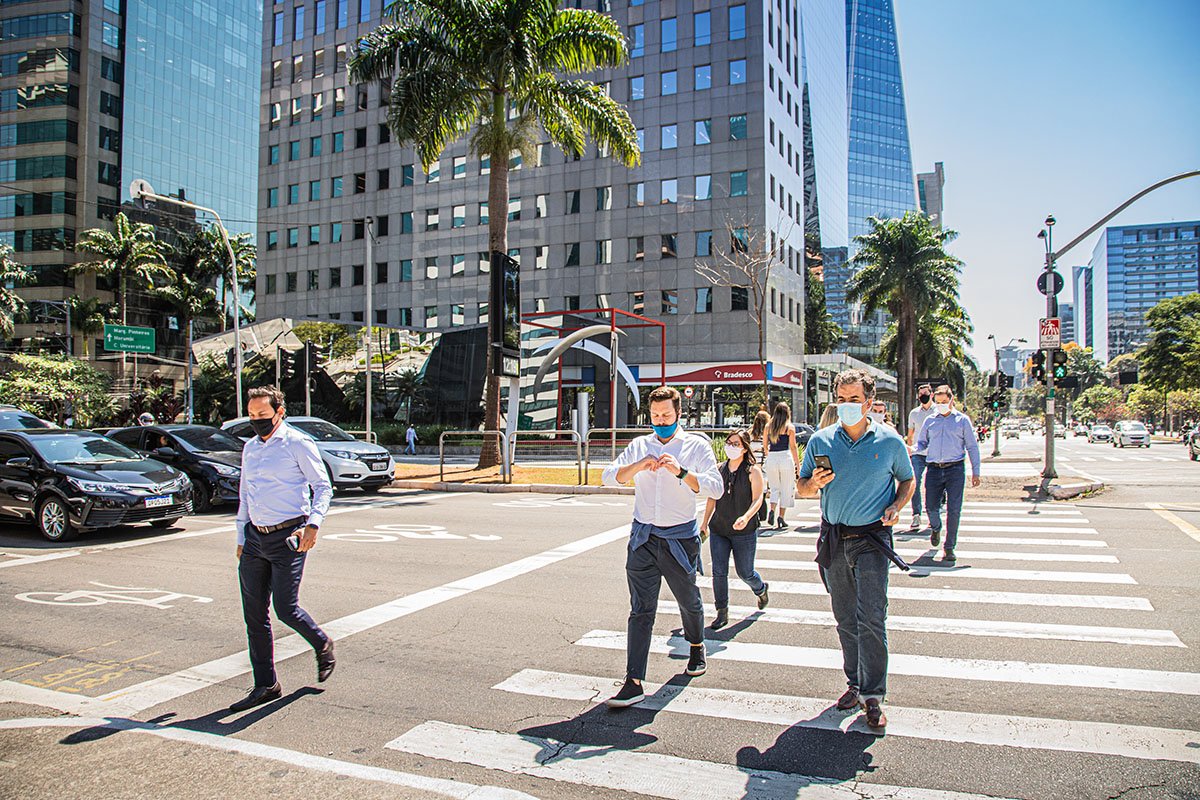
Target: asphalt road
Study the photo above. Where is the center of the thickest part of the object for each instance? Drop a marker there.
(477, 635)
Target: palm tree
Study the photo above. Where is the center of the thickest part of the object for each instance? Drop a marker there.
(12, 274)
(492, 69)
(88, 316)
(942, 340)
(903, 267)
(245, 256)
(130, 252)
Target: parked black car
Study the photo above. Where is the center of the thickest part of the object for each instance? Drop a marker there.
(209, 456)
(14, 418)
(804, 432)
(67, 482)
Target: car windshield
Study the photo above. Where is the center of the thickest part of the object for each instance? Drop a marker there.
(208, 440)
(1102, 429)
(323, 431)
(74, 449)
(1134, 426)
(17, 420)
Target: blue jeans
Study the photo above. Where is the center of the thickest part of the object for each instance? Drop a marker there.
(742, 545)
(858, 580)
(410, 450)
(947, 483)
(269, 571)
(918, 465)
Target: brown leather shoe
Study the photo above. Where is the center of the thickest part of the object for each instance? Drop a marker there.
(875, 717)
(849, 700)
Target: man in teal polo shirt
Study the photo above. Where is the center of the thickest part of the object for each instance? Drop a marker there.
(861, 497)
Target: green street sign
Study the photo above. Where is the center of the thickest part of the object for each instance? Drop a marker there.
(128, 339)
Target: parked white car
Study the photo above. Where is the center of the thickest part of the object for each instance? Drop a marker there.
(1131, 433)
(351, 463)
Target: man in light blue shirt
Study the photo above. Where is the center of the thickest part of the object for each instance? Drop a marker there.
(948, 439)
(285, 494)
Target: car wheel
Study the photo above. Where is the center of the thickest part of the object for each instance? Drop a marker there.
(54, 520)
(164, 523)
(201, 496)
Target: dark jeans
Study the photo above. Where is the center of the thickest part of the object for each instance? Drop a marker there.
(858, 580)
(269, 569)
(644, 569)
(947, 483)
(742, 545)
(918, 465)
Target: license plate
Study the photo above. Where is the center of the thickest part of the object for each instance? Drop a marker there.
(158, 502)
(379, 466)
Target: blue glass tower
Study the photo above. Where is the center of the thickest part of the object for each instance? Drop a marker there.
(881, 181)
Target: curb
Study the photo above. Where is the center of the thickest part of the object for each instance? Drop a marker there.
(1067, 491)
(510, 488)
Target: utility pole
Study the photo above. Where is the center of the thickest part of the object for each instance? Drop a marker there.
(370, 281)
(996, 415)
(307, 380)
(1049, 472)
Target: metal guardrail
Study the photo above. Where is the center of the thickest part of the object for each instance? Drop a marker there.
(504, 460)
(366, 436)
(613, 433)
(512, 448)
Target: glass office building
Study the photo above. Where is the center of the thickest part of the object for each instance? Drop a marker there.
(881, 181)
(1135, 267)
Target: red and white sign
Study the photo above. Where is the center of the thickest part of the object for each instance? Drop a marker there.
(1050, 333)
(701, 374)
(688, 392)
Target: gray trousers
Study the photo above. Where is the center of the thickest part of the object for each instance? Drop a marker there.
(645, 569)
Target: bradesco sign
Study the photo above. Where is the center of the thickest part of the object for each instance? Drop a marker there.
(128, 339)
(707, 374)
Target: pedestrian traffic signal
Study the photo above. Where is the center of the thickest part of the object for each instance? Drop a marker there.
(1038, 371)
(1060, 364)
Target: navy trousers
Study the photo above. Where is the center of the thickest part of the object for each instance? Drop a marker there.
(270, 570)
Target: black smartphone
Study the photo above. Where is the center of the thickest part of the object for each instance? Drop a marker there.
(823, 462)
(293, 542)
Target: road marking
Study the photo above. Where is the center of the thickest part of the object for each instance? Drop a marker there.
(986, 555)
(965, 596)
(20, 561)
(965, 571)
(128, 595)
(1183, 525)
(1111, 458)
(652, 774)
(963, 669)
(1003, 730)
(1003, 629)
(440, 786)
(904, 537)
(1086, 475)
(1039, 515)
(169, 687)
(1088, 458)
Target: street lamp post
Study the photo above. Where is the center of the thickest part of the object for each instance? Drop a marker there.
(996, 416)
(369, 269)
(140, 189)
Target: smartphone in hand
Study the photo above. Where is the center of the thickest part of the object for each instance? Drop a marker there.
(823, 462)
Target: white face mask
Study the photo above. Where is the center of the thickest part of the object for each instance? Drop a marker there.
(733, 451)
(876, 415)
(942, 408)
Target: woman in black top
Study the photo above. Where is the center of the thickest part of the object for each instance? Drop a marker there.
(733, 523)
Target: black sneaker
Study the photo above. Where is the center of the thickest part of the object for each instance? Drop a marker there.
(763, 598)
(631, 694)
(257, 697)
(721, 620)
(325, 663)
(935, 537)
(949, 555)
(696, 663)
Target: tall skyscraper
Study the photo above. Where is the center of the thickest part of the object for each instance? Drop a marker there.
(97, 93)
(1135, 267)
(1066, 313)
(881, 179)
(742, 126)
(929, 192)
(1082, 294)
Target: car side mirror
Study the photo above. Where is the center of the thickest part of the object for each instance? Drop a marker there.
(19, 462)
(164, 452)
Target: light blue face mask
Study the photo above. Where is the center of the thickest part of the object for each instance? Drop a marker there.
(665, 431)
(850, 413)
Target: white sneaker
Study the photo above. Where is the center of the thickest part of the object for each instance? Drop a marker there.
(916, 523)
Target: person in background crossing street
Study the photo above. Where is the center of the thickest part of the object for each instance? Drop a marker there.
(829, 416)
(761, 420)
(879, 413)
(670, 469)
(916, 418)
(948, 439)
(410, 437)
(861, 496)
(284, 496)
(779, 442)
(731, 524)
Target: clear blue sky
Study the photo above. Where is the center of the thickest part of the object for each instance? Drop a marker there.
(1066, 107)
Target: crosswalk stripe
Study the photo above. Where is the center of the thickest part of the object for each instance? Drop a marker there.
(1088, 458)
(1032, 733)
(1138, 458)
(966, 596)
(965, 669)
(982, 573)
(652, 774)
(985, 555)
(1111, 458)
(1004, 629)
(1031, 509)
(907, 536)
(1066, 522)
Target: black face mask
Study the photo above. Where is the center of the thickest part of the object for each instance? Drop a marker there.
(924, 398)
(263, 427)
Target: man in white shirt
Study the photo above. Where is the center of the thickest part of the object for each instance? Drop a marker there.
(916, 419)
(670, 469)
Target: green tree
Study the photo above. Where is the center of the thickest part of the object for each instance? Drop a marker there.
(129, 253)
(213, 386)
(903, 267)
(88, 316)
(1171, 359)
(1030, 401)
(1184, 404)
(57, 385)
(12, 274)
(821, 333)
(1145, 402)
(494, 70)
(942, 340)
(1084, 366)
(345, 342)
(1097, 403)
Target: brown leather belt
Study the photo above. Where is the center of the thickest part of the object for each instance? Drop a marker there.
(287, 524)
(944, 464)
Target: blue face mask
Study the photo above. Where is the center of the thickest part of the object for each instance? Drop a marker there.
(850, 413)
(665, 431)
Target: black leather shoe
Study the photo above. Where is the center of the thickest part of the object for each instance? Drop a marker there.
(258, 695)
(849, 700)
(325, 663)
(935, 537)
(722, 619)
(764, 598)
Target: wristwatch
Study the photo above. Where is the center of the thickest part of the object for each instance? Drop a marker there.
(683, 473)
(313, 526)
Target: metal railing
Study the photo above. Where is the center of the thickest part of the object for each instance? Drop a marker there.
(366, 436)
(614, 433)
(506, 475)
(512, 448)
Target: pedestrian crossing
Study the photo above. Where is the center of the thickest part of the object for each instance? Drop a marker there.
(957, 625)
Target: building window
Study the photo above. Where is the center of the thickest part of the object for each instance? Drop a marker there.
(460, 167)
(572, 259)
(271, 281)
(435, 173)
(406, 175)
(315, 146)
(360, 137)
(737, 127)
(637, 195)
(340, 53)
(669, 27)
(702, 28)
(293, 237)
(360, 182)
(383, 179)
(669, 191)
(668, 83)
(458, 264)
(406, 317)
(637, 41)
(670, 301)
(739, 298)
(603, 198)
(335, 187)
(431, 268)
(319, 18)
(703, 243)
(335, 232)
(111, 35)
(385, 133)
(335, 277)
(297, 23)
(458, 216)
(272, 242)
(294, 151)
(669, 138)
(457, 315)
(290, 282)
(737, 22)
(339, 142)
(739, 240)
(539, 206)
(514, 209)
(297, 68)
(356, 276)
(604, 251)
(383, 225)
(314, 280)
(485, 263)
(704, 300)
(702, 77)
(273, 154)
(381, 272)
(670, 245)
(405, 270)
(293, 194)
(637, 302)
(272, 198)
(641, 139)
(540, 304)
(737, 72)
(637, 248)
(339, 101)
(571, 302)
(737, 184)
(540, 257)
(637, 88)
(277, 30)
(432, 219)
(704, 187)
(314, 235)
(483, 213)
(485, 165)
(703, 131)
(360, 229)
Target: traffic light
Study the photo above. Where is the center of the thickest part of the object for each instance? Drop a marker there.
(315, 355)
(1006, 380)
(287, 365)
(1004, 403)
(1038, 372)
(1060, 364)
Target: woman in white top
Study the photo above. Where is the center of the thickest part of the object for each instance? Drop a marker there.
(761, 420)
(779, 442)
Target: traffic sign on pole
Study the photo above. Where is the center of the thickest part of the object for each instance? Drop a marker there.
(128, 339)
(688, 392)
(1050, 283)
(1050, 333)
